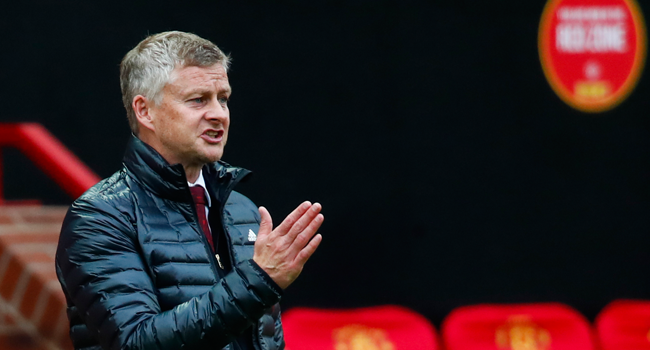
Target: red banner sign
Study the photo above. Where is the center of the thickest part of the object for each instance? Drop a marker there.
(592, 51)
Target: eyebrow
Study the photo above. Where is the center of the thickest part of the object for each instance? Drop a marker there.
(203, 91)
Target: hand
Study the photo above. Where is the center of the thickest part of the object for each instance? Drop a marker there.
(283, 252)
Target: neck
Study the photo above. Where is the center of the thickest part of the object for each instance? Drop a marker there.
(192, 173)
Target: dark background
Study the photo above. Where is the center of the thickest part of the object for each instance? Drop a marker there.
(449, 171)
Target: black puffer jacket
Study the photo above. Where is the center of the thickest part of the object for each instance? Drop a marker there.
(137, 271)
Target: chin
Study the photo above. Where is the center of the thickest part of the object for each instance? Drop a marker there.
(208, 154)
(212, 157)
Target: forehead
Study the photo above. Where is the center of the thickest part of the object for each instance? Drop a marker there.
(186, 79)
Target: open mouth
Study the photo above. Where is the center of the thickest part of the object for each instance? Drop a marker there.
(212, 136)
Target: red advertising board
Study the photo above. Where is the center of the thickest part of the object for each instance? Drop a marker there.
(592, 51)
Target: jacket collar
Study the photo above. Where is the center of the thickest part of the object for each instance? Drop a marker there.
(151, 170)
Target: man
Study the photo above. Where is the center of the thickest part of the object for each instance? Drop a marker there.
(164, 254)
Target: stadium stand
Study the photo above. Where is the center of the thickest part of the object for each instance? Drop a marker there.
(542, 326)
(32, 305)
(380, 328)
(624, 324)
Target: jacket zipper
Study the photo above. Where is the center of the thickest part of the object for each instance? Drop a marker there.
(231, 186)
(255, 331)
(215, 264)
(213, 257)
(229, 189)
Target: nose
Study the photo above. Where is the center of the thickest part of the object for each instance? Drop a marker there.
(216, 111)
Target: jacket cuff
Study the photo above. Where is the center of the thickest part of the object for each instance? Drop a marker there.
(267, 278)
(268, 291)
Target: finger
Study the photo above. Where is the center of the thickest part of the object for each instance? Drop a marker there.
(305, 220)
(266, 224)
(291, 219)
(306, 235)
(307, 251)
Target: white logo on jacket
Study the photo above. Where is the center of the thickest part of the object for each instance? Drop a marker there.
(252, 237)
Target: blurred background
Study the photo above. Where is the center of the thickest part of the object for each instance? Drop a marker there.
(449, 171)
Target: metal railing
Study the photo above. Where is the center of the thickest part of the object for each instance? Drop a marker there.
(49, 155)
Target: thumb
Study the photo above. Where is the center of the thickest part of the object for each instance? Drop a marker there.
(266, 225)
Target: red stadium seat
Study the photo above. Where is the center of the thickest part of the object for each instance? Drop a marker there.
(373, 328)
(624, 324)
(544, 326)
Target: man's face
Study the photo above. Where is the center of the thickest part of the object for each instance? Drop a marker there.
(191, 122)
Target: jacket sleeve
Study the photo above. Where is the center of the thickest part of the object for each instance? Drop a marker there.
(104, 276)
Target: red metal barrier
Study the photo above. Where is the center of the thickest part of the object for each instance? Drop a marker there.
(49, 155)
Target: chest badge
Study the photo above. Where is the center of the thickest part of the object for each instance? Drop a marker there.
(252, 237)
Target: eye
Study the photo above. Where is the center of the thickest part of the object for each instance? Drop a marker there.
(197, 100)
(223, 100)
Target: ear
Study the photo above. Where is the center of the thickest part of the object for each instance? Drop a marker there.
(143, 112)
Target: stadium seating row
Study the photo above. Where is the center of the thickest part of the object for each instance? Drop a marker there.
(622, 325)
